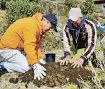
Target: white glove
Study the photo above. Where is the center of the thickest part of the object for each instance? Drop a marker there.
(39, 71)
(42, 61)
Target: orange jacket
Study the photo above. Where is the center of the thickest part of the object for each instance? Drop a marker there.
(25, 34)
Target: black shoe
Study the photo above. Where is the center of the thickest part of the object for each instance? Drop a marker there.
(2, 71)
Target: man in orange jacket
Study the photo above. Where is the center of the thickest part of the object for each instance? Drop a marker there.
(25, 34)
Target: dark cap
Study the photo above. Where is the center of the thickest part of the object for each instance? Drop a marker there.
(52, 19)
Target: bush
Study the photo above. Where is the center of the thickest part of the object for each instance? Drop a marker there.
(2, 4)
(88, 9)
(3, 26)
(34, 1)
(70, 3)
(62, 10)
(50, 41)
(90, 17)
(21, 8)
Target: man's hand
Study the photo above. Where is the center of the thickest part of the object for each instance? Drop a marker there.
(78, 63)
(66, 60)
(39, 71)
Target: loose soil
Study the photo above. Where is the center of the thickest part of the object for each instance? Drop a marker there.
(56, 75)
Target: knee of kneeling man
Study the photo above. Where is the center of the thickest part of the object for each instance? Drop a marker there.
(26, 69)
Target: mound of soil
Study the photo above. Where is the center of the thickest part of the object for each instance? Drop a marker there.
(56, 75)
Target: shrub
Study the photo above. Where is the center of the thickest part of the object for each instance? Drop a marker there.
(62, 10)
(88, 9)
(70, 3)
(3, 26)
(2, 4)
(21, 8)
(50, 41)
(34, 0)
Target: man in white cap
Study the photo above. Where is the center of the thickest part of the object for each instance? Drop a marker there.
(83, 33)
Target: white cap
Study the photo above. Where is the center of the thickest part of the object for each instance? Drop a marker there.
(75, 13)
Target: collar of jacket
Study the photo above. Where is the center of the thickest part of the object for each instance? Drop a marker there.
(82, 25)
(69, 24)
(38, 18)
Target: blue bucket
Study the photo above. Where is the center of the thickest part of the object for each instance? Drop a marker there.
(50, 57)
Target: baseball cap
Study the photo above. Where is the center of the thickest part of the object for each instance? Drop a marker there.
(52, 19)
(75, 13)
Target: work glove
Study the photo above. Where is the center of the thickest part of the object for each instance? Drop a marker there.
(39, 71)
(42, 61)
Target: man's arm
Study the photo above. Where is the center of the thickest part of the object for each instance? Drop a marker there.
(39, 53)
(66, 44)
(30, 45)
(32, 53)
(66, 41)
(92, 37)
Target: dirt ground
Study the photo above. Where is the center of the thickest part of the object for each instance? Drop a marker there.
(56, 76)
(5, 79)
(5, 84)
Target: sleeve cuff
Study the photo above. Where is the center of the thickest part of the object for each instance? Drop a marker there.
(66, 53)
(84, 58)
